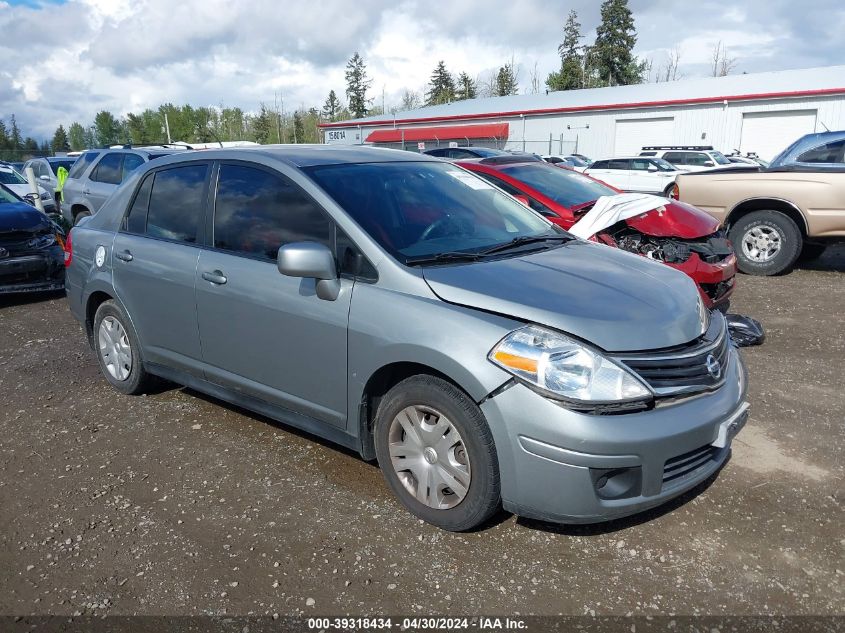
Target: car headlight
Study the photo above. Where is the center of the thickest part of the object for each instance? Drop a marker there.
(703, 315)
(42, 241)
(565, 368)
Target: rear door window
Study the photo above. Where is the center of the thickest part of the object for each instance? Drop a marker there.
(256, 212)
(177, 200)
(136, 220)
(619, 164)
(108, 169)
(676, 158)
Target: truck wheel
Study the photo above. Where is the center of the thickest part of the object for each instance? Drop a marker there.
(437, 453)
(766, 243)
(811, 251)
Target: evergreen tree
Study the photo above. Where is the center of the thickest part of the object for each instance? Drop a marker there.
(4, 136)
(44, 148)
(106, 129)
(15, 140)
(571, 73)
(76, 136)
(613, 53)
(442, 86)
(357, 85)
(506, 82)
(332, 107)
(262, 125)
(466, 88)
(298, 129)
(60, 141)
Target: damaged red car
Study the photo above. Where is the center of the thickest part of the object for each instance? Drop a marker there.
(677, 234)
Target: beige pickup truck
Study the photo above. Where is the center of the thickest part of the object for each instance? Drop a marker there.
(773, 217)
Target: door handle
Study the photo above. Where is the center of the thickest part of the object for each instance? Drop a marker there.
(215, 277)
(124, 256)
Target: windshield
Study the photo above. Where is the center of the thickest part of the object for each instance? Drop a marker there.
(567, 188)
(486, 152)
(7, 196)
(720, 158)
(425, 209)
(55, 164)
(663, 165)
(11, 177)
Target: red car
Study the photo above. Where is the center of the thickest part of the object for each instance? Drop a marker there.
(679, 235)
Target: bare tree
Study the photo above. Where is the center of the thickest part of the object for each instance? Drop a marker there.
(722, 64)
(668, 71)
(410, 100)
(534, 78)
(486, 84)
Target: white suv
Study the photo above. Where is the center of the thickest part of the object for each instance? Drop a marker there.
(689, 157)
(639, 173)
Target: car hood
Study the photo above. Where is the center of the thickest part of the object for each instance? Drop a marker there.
(19, 217)
(675, 219)
(22, 189)
(610, 298)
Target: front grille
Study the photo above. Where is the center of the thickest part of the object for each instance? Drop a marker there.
(681, 468)
(687, 368)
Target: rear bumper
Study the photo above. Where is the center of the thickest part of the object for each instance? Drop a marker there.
(552, 460)
(33, 272)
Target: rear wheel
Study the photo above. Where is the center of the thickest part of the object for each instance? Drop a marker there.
(118, 350)
(79, 215)
(437, 453)
(766, 242)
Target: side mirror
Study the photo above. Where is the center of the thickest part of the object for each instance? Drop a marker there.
(44, 178)
(523, 200)
(652, 167)
(311, 261)
(709, 163)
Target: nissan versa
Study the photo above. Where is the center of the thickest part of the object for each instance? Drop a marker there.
(405, 308)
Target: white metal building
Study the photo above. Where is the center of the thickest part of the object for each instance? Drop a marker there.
(760, 113)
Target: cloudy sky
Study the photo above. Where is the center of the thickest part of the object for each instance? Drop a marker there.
(63, 61)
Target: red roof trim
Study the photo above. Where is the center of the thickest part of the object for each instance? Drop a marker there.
(488, 130)
(611, 106)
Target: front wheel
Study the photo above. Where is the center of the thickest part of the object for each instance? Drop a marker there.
(437, 453)
(766, 242)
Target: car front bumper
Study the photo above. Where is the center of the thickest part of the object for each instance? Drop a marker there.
(568, 467)
(715, 281)
(33, 272)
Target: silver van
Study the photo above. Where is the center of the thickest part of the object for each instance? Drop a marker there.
(400, 306)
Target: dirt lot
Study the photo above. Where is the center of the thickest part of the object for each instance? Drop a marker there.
(176, 504)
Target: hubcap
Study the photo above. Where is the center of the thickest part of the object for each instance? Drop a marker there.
(429, 457)
(761, 243)
(114, 348)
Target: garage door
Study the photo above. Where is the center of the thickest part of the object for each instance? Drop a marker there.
(767, 133)
(633, 134)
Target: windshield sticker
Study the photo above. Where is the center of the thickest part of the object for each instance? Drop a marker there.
(470, 180)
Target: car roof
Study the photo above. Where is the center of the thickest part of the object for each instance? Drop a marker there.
(305, 155)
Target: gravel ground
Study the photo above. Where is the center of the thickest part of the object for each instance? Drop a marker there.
(175, 503)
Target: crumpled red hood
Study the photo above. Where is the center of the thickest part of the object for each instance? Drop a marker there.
(678, 219)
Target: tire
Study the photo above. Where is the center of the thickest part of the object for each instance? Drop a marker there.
(778, 231)
(811, 251)
(429, 405)
(667, 193)
(136, 380)
(79, 216)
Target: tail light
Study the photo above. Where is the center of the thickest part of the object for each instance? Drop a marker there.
(675, 194)
(68, 248)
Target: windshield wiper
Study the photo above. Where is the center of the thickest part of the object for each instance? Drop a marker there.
(526, 239)
(442, 258)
